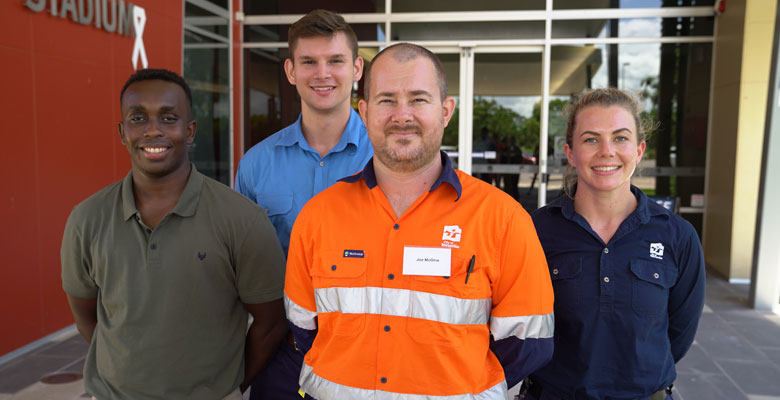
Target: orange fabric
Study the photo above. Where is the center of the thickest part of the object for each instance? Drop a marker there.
(415, 356)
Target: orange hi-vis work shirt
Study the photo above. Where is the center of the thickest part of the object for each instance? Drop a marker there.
(382, 333)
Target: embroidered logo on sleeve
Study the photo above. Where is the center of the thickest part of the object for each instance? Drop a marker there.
(657, 251)
(354, 253)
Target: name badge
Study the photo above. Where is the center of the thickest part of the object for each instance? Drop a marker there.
(430, 261)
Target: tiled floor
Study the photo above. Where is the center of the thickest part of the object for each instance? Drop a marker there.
(736, 356)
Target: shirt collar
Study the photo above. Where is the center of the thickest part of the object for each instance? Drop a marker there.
(448, 175)
(185, 207)
(351, 135)
(643, 210)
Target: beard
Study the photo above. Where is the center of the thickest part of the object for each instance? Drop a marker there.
(404, 155)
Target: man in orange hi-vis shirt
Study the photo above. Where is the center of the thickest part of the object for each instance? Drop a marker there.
(410, 279)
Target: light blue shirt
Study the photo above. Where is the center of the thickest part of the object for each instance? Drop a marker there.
(283, 172)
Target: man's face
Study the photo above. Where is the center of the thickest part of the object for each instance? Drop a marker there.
(156, 127)
(323, 72)
(405, 115)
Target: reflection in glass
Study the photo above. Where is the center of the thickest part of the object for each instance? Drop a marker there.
(207, 73)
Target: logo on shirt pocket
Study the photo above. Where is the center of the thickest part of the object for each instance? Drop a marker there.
(202, 256)
(657, 251)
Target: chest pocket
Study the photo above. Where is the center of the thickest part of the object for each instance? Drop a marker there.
(275, 204)
(340, 292)
(565, 274)
(449, 299)
(650, 287)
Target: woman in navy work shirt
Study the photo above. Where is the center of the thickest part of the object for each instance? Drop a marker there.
(628, 275)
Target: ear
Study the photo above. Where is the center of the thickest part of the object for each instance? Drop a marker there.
(640, 151)
(569, 156)
(192, 127)
(358, 69)
(289, 70)
(448, 108)
(363, 109)
(121, 128)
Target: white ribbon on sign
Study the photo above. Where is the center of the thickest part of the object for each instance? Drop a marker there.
(139, 21)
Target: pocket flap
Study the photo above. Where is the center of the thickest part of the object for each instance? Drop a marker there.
(653, 272)
(565, 269)
(275, 203)
(334, 264)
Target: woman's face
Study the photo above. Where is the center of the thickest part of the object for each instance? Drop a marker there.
(604, 148)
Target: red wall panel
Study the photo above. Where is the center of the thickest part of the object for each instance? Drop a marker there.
(59, 106)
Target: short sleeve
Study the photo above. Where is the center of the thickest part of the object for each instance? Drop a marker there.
(76, 259)
(259, 262)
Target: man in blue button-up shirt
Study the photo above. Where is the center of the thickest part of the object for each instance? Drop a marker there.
(326, 143)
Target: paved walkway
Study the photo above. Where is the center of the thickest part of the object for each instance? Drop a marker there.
(736, 356)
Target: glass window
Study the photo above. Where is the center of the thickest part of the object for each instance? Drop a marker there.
(579, 4)
(501, 30)
(206, 69)
(466, 5)
(253, 7)
(633, 27)
(278, 33)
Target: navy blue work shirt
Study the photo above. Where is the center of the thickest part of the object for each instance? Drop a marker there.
(625, 311)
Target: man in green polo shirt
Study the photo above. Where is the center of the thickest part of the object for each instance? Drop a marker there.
(161, 267)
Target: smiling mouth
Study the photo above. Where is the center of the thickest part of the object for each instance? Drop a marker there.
(323, 89)
(606, 169)
(154, 150)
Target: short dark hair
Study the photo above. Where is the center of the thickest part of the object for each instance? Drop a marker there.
(321, 23)
(155, 74)
(403, 52)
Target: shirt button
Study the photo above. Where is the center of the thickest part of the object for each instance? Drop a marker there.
(148, 230)
(383, 380)
(333, 267)
(656, 276)
(396, 226)
(606, 250)
(154, 246)
(390, 276)
(387, 328)
(322, 163)
(606, 279)
(555, 271)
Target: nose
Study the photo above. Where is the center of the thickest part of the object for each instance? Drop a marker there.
(606, 148)
(154, 128)
(402, 114)
(323, 71)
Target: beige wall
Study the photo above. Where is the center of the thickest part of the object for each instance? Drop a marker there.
(743, 49)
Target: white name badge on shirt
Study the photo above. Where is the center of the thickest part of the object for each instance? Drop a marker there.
(430, 261)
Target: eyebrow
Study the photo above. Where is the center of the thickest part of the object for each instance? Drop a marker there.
(413, 93)
(616, 131)
(332, 56)
(140, 108)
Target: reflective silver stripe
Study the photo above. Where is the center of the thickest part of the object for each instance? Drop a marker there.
(530, 326)
(403, 303)
(321, 388)
(298, 315)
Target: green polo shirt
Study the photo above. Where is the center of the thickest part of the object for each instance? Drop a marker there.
(170, 319)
